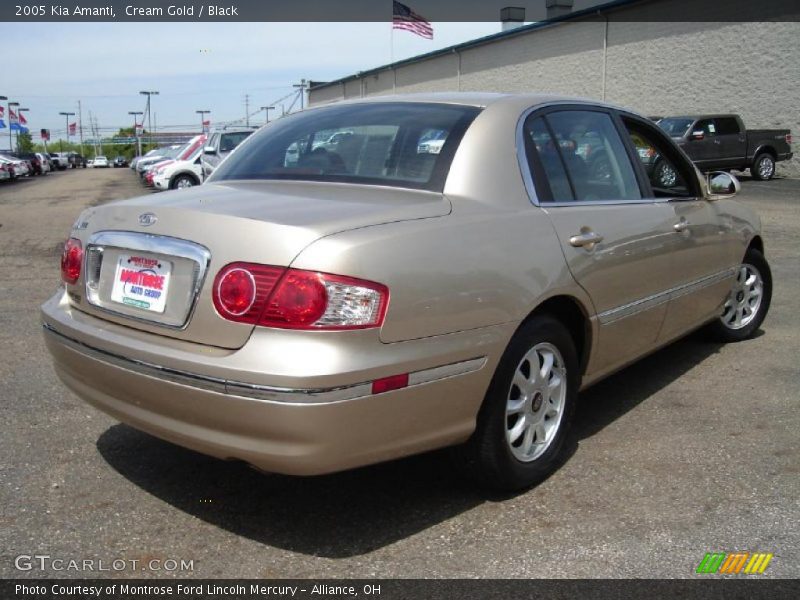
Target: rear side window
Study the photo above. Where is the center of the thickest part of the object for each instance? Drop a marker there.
(727, 126)
(590, 152)
(229, 141)
(402, 144)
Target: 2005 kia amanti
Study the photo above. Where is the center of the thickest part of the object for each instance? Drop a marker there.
(369, 280)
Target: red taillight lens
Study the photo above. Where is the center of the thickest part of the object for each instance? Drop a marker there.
(387, 384)
(241, 289)
(71, 259)
(298, 302)
(297, 299)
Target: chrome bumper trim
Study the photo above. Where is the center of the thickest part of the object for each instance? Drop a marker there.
(256, 391)
(615, 314)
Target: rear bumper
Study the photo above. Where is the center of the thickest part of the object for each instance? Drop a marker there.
(298, 429)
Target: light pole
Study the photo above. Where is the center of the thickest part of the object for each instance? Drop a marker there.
(10, 104)
(136, 114)
(9, 123)
(266, 110)
(19, 122)
(203, 114)
(149, 93)
(67, 115)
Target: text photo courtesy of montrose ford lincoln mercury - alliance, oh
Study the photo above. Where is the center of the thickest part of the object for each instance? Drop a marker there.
(328, 301)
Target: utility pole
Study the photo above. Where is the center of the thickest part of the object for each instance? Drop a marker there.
(203, 114)
(80, 125)
(247, 109)
(266, 110)
(10, 135)
(149, 93)
(9, 122)
(136, 130)
(301, 87)
(67, 115)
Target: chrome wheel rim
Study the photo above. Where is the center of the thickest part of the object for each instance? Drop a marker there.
(766, 167)
(183, 182)
(667, 176)
(744, 299)
(535, 402)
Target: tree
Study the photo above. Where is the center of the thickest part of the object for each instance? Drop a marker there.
(25, 142)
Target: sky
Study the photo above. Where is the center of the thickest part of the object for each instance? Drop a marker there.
(194, 66)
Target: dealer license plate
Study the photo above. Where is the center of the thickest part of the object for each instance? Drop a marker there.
(142, 282)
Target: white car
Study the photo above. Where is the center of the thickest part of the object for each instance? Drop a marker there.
(179, 174)
(100, 161)
(20, 167)
(45, 162)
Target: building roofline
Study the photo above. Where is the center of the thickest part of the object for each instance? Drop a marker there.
(488, 39)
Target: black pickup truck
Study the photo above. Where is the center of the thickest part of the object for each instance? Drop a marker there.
(716, 142)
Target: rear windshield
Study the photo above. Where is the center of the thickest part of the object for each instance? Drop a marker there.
(397, 144)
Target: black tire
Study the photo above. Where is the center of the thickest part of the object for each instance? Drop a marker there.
(724, 328)
(763, 167)
(488, 456)
(186, 180)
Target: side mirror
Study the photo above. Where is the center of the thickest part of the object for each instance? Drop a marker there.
(209, 150)
(697, 135)
(721, 184)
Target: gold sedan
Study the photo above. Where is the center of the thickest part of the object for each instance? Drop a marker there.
(373, 279)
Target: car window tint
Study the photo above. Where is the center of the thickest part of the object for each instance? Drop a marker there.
(707, 126)
(545, 147)
(402, 144)
(727, 126)
(667, 175)
(594, 156)
(229, 141)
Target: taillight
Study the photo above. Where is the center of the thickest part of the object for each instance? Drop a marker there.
(241, 290)
(297, 299)
(71, 259)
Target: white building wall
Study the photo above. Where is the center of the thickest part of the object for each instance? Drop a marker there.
(661, 68)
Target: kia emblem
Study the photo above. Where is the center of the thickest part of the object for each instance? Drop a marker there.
(147, 219)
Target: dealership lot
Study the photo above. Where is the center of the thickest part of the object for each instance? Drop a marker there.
(693, 450)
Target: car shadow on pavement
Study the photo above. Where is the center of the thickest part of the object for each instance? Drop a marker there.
(356, 512)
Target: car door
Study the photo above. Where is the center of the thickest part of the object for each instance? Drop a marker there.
(702, 146)
(703, 240)
(732, 142)
(618, 244)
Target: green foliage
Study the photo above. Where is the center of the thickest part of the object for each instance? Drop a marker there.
(25, 142)
(89, 151)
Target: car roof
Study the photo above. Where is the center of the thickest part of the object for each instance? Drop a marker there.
(477, 99)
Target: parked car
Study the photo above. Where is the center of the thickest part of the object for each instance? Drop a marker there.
(46, 163)
(223, 142)
(5, 171)
(722, 142)
(375, 302)
(164, 153)
(179, 174)
(20, 168)
(191, 149)
(120, 161)
(77, 160)
(100, 162)
(32, 161)
(60, 159)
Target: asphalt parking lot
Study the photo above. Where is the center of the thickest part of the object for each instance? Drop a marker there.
(695, 449)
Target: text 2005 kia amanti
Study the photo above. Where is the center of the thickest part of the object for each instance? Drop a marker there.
(368, 280)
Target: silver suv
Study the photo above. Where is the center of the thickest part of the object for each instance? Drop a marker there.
(220, 144)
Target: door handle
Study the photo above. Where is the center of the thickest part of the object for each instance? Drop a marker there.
(585, 239)
(681, 225)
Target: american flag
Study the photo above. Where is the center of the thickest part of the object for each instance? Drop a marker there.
(405, 18)
(72, 128)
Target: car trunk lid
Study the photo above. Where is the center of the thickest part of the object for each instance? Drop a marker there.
(151, 261)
